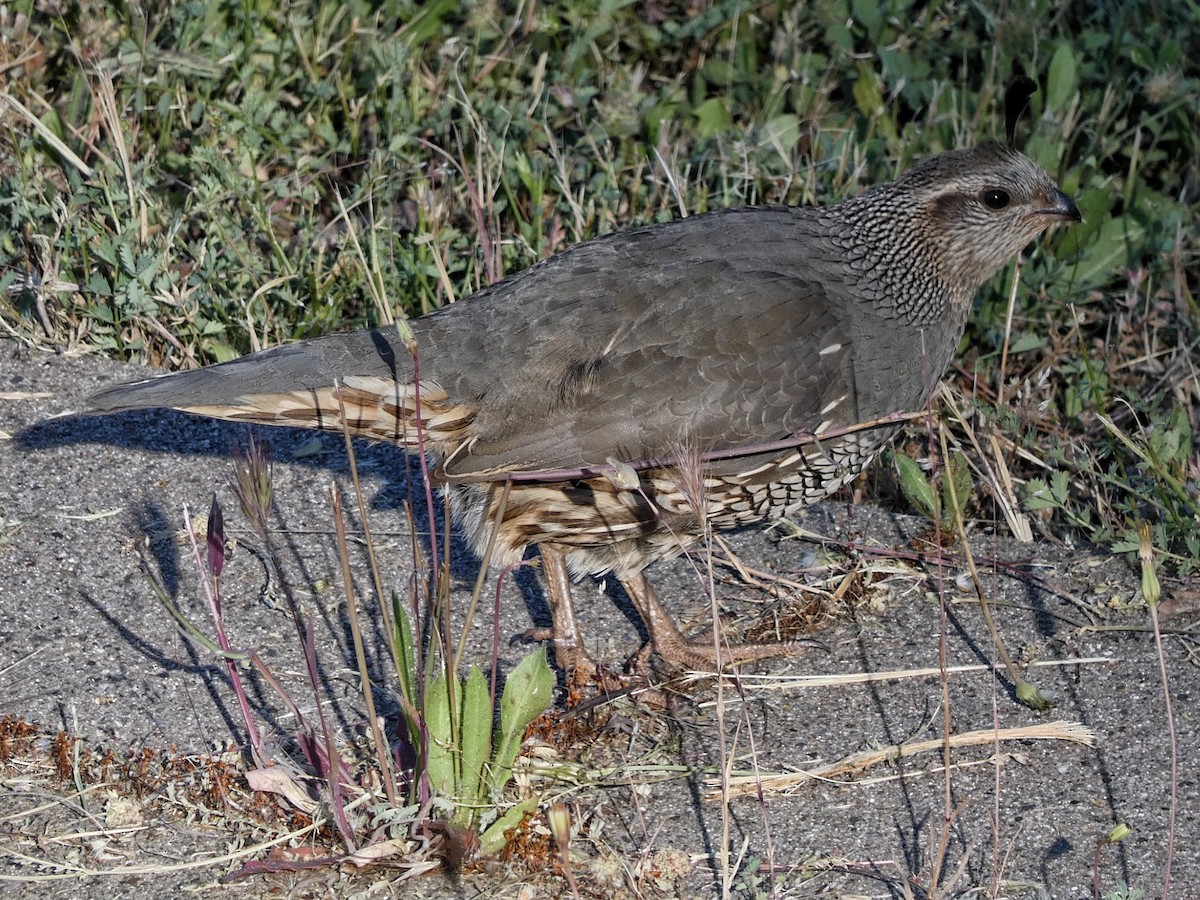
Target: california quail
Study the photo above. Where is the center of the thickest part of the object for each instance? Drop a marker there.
(642, 386)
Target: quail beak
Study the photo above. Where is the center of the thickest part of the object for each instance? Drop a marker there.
(1060, 207)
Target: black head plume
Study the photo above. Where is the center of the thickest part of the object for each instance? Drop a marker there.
(1016, 97)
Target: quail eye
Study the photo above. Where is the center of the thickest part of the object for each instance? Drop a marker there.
(995, 199)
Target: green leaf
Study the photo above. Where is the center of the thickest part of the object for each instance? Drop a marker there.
(839, 36)
(718, 71)
(1062, 78)
(402, 647)
(535, 184)
(1169, 55)
(1096, 244)
(1125, 545)
(476, 741)
(1026, 343)
(527, 694)
(1142, 56)
(1060, 483)
(712, 117)
(867, 95)
(1038, 495)
(106, 250)
(98, 284)
(128, 264)
(492, 840)
(1105, 255)
(222, 352)
(915, 486)
(135, 299)
(781, 132)
(869, 15)
(442, 750)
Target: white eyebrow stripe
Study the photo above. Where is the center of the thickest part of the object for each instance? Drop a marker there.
(832, 348)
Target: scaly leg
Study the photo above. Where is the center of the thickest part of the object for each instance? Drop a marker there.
(568, 643)
(700, 653)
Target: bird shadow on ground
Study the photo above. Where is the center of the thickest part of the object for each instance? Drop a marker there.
(397, 491)
(209, 674)
(167, 560)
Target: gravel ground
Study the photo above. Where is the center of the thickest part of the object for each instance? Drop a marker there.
(85, 647)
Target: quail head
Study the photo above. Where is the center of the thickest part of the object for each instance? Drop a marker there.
(614, 402)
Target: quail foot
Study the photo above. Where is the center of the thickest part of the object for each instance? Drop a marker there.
(614, 402)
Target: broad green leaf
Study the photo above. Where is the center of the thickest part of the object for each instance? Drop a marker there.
(1107, 253)
(1142, 56)
(1038, 496)
(718, 71)
(839, 36)
(1060, 482)
(915, 486)
(1062, 78)
(712, 117)
(1026, 342)
(527, 693)
(476, 739)
(442, 751)
(492, 840)
(1094, 206)
(222, 352)
(867, 95)
(869, 15)
(781, 132)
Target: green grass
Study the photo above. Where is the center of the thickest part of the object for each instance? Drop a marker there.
(218, 143)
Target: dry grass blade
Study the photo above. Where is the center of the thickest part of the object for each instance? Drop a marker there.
(106, 99)
(999, 478)
(47, 135)
(753, 684)
(857, 763)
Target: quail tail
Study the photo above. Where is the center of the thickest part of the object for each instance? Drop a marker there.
(362, 381)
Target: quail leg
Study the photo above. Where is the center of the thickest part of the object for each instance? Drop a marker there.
(700, 653)
(568, 644)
